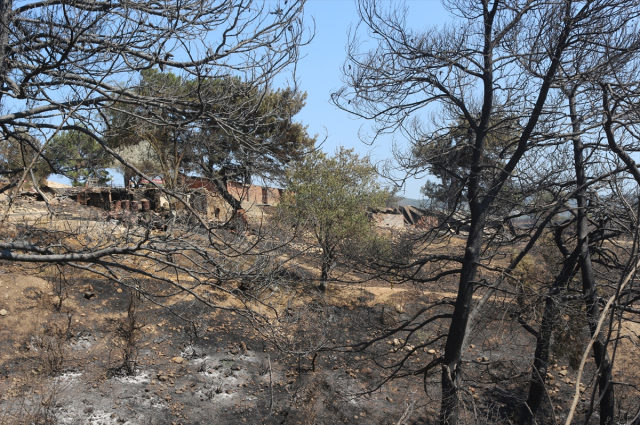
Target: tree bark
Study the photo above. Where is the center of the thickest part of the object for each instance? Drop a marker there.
(550, 315)
(605, 373)
(451, 366)
(221, 186)
(324, 275)
(328, 263)
(6, 9)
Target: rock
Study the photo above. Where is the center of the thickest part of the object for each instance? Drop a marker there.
(88, 295)
(563, 373)
(3, 312)
(162, 378)
(160, 339)
(178, 360)
(431, 351)
(399, 309)
(119, 291)
(472, 346)
(485, 359)
(389, 399)
(191, 352)
(396, 342)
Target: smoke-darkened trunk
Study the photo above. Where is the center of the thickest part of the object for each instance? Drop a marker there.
(607, 402)
(6, 8)
(221, 186)
(550, 315)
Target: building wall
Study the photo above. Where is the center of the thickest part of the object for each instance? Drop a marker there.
(99, 199)
(251, 195)
(212, 206)
(428, 222)
(391, 221)
(248, 195)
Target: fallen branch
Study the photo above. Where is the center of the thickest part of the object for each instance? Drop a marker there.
(270, 386)
(407, 413)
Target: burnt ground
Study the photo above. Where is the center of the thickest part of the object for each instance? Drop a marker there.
(63, 367)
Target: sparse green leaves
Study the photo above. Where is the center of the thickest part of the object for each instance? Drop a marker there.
(330, 196)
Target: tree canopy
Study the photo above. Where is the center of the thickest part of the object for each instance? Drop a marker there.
(79, 157)
(329, 196)
(524, 63)
(447, 155)
(261, 146)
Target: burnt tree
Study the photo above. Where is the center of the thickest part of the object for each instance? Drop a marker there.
(471, 74)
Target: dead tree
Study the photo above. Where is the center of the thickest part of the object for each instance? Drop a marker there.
(71, 65)
(74, 65)
(468, 72)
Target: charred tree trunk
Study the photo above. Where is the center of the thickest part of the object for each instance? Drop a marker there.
(452, 362)
(128, 174)
(324, 275)
(328, 263)
(451, 366)
(221, 186)
(479, 206)
(550, 315)
(605, 373)
(6, 9)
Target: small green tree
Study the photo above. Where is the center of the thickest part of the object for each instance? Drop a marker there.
(330, 195)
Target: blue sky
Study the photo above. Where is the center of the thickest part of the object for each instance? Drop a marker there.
(319, 75)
